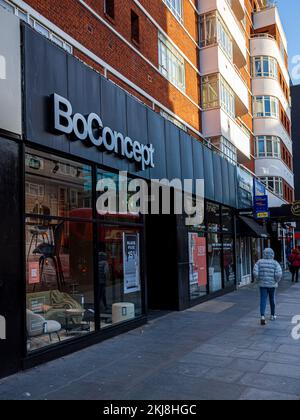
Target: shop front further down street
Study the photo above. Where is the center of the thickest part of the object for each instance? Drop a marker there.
(69, 276)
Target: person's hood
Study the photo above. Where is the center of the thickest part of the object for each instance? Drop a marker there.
(269, 254)
(102, 256)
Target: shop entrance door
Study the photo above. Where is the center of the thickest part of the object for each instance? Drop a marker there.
(161, 252)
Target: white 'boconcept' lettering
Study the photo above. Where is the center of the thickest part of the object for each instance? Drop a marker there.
(90, 130)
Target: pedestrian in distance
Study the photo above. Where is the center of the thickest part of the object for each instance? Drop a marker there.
(267, 273)
(294, 261)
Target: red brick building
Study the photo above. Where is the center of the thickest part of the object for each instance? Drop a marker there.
(172, 54)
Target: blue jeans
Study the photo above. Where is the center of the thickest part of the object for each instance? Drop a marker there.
(266, 292)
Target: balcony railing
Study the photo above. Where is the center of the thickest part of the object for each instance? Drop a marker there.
(263, 35)
(266, 4)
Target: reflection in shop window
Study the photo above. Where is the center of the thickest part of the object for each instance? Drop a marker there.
(57, 187)
(215, 261)
(59, 281)
(228, 261)
(119, 274)
(119, 261)
(59, 250)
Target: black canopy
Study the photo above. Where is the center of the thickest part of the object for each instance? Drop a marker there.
(250, 227)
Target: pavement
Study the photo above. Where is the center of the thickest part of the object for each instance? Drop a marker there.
(216, 351)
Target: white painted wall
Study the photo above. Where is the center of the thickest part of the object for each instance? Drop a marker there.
(272, 127)
(267, 86)
(10, 73)
(270, 48)
(270, 17)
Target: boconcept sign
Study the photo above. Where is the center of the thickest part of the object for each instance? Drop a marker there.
(92, 132)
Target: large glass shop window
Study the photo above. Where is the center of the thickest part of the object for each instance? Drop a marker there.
(197, 264)
(119, 260)
(59, 250)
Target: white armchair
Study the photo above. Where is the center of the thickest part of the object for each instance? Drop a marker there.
(38, 325)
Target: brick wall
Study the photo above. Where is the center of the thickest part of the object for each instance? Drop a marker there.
(80, 23)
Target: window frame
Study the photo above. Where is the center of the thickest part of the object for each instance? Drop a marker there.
(272, 65)
(265, 140)
(177, 12)
(171, 63)
(269, 106)
(274, 184)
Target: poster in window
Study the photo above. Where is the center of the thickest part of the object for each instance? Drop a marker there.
(198, 262)
(34, 273)
(131, 263)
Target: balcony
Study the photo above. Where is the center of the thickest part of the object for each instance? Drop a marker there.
(269, 16)
(274, 167)
(266, 45)
(271, 87)
(214, 60)
(272, 127)
(233, 25)
(215, 122)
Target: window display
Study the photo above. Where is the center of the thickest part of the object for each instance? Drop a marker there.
(60, 270)
(198, 264)
(119, 274)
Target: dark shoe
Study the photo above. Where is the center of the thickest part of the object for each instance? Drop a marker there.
(263, 321)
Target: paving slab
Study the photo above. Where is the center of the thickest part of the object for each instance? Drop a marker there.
(217, 351)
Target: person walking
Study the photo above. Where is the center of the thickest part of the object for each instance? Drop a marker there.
(294, 261)
(267, 273)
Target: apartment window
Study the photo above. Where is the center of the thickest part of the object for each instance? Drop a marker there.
(266, 106)
(109, 8)
(171, 63)
(274, 184)
(217, 93)
(268, 146)
(227, 98)
(135, 27)
(210, 92)
(213, 31)
(265, 67)
(176, 8)
(227, 149)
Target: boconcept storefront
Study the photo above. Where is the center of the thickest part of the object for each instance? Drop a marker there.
(71, 276)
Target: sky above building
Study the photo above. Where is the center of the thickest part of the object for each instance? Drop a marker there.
(290, 12)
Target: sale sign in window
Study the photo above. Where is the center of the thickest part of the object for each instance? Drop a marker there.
(198, 260)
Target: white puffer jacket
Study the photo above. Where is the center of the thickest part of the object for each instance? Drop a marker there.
(267, 272)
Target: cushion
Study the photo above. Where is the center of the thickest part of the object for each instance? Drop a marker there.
(52, 327)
